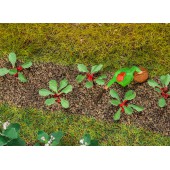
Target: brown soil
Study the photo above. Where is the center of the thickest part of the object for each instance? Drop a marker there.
(82, 100)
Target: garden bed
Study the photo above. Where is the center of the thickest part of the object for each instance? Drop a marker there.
(82, 100)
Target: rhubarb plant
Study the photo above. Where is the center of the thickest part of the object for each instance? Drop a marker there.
(162, 89)
(56, 93)
(124, 106)
(49, 140)
(90, 76)
(9, 136)
(15, 71)
(87, 141)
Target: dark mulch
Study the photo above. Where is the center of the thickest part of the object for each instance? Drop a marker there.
(82, 100)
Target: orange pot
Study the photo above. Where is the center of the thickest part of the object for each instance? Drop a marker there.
(141, 77)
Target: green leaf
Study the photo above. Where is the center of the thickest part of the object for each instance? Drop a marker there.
(117, 115)
(22, 78)
(3, 140)
(162, 102)
(89, 84)
(37, 144)
(128, 110)
(67, 89)
(63, 83)
(13, 71)
(100, 81)
(102, 77)
(80, 78)
(168, 92)
(137, 108)
(94, 143)
(115, 102)
(86, 139)
(27, 65)
(130, 95)
(157, 90)
(64, 103)
(50, 101)
(58, 136)
(17, 142)
(12, 58)
(153, 83)
(43, 137)
(114, 94)
(53, 85)
(44, 92)
(96, 68)
(3, 71)
(165, 80)
(82, 68)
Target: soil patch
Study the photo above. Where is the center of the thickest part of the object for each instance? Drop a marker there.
(82, 100)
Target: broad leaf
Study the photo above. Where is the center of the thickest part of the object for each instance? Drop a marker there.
(64, 103)
(44, 92)
(153, 83)
(96, 68)
(22, 78)
(12, 58)
(158, 90)
(128, 110)
(13, 71)
(114, 94)
(89, 84)
(43, 137)
(63, 83)
(57, 137)
(86, 139)
(165, 80)
(53, 85)
(129, 95)
(115, 102)
(50, 101)
(82, 68)
(162, 102)
(3, 71)
(3, 140)
(117, 115)
(17, 142)
(137, 108)
(80, 78)
(102, 77)
(67, 89)
(27, 65)
(100, 81)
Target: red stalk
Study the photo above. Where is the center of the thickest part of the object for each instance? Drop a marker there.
(124, 103)
(90, 77)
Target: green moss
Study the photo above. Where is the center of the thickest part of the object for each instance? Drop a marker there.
(74, 126)
(114, 45)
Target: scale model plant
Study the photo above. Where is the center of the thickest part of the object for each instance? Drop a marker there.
(124, 106)
(49, 140)
(162, 89)
(87, 141)
(10, 135)
(56, 95)
(91, 76)
(15, 70)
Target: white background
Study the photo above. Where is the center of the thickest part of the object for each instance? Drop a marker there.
(86, 11)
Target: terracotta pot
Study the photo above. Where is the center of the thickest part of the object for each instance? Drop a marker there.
(141, 77)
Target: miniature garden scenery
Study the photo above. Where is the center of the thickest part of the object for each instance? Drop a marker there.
(84, 84)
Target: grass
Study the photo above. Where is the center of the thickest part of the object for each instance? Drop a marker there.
(114, 45)
(74, 127)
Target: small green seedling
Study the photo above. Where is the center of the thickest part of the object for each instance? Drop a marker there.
(9, 136)
(15, 70)
(87, 141)
(49, 140)
(124, 106)
(56, 94)
(91, 76)
(161, 89)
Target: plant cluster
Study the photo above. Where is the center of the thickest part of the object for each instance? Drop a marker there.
(87, 141)
(162, 89)
(15, 71)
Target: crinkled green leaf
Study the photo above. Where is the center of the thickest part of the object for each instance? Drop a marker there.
(96, 68)
(13, 71)
(114, 94)
(80, 78)
(117, 115)
(53, 85)
(82, 68)
(12, 58)
(162, 102)
(44, 92)
(3, 71)
(63, 83)
(43, 137)
(129, 95)
(67, 89)
(158, 90)
(100, 81)
(115, 102)
(89, 84)
(102, 77)
(165, 79)
(137, 108)
(27, 65)
(50, 101)
(64, 103)
(128, 110)
(153, 83)
(22, 78)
